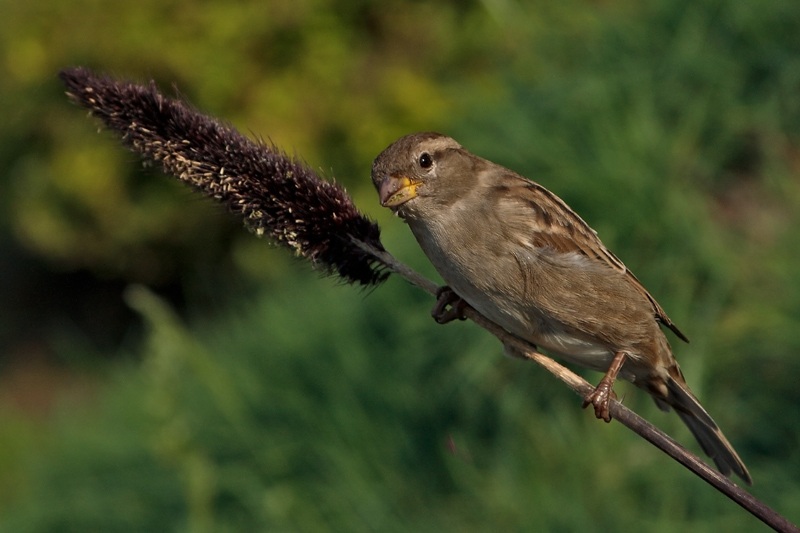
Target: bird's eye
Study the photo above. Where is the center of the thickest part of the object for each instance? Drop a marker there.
(425, 160)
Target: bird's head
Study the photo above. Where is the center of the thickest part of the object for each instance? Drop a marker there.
(421, 171)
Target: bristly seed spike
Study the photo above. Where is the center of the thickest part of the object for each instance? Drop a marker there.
(274, 193)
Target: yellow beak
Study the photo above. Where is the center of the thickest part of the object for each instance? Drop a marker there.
(394, 191)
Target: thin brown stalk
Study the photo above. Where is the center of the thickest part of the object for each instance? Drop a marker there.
(619, 412)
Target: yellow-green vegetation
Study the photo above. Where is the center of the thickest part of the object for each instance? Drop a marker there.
(274, 400)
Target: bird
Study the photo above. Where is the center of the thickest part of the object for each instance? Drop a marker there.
(515, 252)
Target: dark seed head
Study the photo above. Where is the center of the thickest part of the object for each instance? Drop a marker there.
(274, 194)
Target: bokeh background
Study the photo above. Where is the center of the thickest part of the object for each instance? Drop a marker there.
(164, 370)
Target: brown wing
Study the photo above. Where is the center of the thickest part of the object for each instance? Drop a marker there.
(567, 232)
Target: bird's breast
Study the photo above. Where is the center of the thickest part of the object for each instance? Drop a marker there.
(472, 262)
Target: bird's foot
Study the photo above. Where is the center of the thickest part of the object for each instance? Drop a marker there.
(602, 395)
(449, 306)
(600, 398)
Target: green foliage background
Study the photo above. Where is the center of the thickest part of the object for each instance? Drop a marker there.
(276, 400)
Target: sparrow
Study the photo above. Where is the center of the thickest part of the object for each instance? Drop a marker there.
(517, 254)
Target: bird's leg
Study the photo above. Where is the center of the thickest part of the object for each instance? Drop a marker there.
(601, 397)
(446, 297)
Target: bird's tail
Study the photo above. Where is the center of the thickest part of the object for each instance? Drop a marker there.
(702, 426)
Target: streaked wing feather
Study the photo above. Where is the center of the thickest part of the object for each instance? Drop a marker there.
(567, 232)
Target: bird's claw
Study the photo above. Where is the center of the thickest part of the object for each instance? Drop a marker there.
(602, 394)
(449, 306)
(600, 398)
